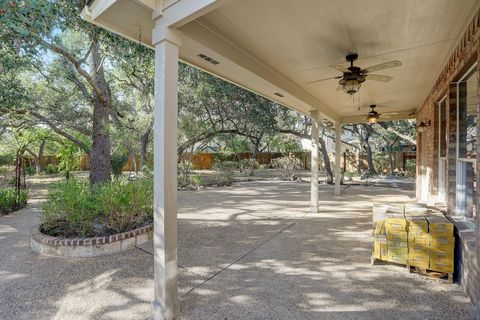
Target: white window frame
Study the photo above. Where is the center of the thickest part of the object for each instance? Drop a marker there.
(460, 177)
(442, 161)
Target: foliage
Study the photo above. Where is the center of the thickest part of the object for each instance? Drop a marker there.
(224, 172)
(381, 162)
(197, 181)
(51, 169)
(73, 209)
(7, 159)
(248, 166)
(70, 210)
(69, 159)
(288, 166)
(11, 201)
(117, 162)
(125, 205)
(30, 170)
(411, 167)
(284, 143)
(184, 169)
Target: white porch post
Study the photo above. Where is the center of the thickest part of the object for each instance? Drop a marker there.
(165, 304)
(338, 156)
(314, 163)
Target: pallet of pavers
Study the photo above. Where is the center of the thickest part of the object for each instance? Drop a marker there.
(417, 238)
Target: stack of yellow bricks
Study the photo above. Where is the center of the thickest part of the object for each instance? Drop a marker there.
(414, 236)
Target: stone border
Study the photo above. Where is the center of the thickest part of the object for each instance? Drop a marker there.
(89, 247)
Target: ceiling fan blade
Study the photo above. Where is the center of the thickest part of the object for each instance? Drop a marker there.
(382, 66)
(339, 67)
(324, 79)
(379, 77)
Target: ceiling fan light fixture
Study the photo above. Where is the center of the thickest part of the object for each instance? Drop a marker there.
(373, 115)
(372, 119)
(351, 86)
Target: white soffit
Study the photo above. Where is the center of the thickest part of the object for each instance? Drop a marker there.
(298, 40)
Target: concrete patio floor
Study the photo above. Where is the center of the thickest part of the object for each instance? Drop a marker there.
(250, 251)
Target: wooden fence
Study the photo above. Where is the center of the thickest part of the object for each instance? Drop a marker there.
(206, 161)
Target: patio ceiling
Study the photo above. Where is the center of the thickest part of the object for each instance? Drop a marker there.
(273, 46)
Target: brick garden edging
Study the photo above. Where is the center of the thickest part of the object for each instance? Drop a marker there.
(89, 247)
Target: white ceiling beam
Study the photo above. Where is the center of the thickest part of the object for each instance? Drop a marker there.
(99, 7)
(185, 11)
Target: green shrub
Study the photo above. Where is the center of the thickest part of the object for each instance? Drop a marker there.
(7, 159)
(288, 165)
(117, 161)
(248, 167)
(73, 209)
(197, 181)
(411, 167)
(70, 210)
(4, 169)
(51, 169)
(125, 205)
(30, 170)
(224, 171)
(11, 201)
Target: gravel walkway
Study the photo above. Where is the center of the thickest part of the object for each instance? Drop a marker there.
(250, 251)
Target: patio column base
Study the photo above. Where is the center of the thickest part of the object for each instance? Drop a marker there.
(314, 209)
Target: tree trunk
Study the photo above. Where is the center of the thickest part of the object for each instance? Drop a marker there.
(326, 160)
(38, 158)
(100, 152)
(392, 162)
(144, 138)
(371, 166)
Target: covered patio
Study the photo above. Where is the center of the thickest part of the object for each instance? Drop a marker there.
(280, 50)
(250, 251)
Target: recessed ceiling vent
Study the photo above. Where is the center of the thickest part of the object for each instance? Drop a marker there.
(207, 58)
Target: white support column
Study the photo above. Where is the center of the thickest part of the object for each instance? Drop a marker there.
(165, 304)
(314, 163)
(338, 157)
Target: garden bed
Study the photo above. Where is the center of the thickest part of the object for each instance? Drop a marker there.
(11, 201)
(89, 246)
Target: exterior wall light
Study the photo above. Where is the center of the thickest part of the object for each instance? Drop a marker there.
(424, 124)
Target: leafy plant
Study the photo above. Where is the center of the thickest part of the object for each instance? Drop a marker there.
(69, 159)
(183, 171)
(225, 171)
(125, 205)
(288, 166)
(73, 209)
(51, 169)
(11, 201)
(411, 167)
(117, 162)
(197, 181)
(70, 210)
(30, 170)
(248, 167)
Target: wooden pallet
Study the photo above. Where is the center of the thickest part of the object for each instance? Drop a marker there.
(447, 276)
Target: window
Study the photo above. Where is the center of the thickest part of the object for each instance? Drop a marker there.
(443, 137)
(467, 104)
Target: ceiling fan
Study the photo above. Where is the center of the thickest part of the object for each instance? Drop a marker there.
(354, 76)
(373, 116)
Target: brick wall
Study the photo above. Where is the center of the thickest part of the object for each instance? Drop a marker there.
(466, 53)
